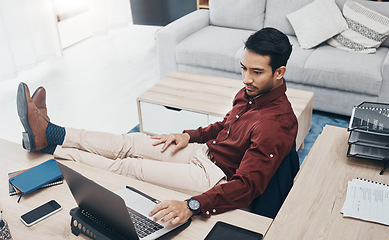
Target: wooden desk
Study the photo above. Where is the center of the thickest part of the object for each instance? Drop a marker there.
(13, 158)
(312, 208)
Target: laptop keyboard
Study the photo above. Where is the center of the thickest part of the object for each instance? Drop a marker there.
(143, 225)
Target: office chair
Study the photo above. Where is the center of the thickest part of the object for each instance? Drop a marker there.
(269, 203)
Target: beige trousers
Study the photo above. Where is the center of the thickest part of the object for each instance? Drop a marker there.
(133, 154)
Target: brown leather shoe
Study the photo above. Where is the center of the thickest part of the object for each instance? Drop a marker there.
(39, 99)
(33, 120)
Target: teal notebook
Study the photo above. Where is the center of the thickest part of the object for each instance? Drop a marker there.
(36, 177)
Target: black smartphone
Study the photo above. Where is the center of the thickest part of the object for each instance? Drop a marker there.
(40, 213)
(226, 231)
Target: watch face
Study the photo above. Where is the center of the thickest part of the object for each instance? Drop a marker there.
(194, 204)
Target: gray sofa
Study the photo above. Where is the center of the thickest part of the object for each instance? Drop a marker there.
(211, 42)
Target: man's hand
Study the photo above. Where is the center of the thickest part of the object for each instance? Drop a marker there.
(180, 139)
(177, 211)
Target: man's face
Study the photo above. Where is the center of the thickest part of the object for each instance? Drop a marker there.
(257, 74)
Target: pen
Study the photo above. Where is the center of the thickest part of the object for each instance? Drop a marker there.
(143, 194)
(1, 220)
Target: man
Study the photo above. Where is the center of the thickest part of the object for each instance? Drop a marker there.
(231, 161)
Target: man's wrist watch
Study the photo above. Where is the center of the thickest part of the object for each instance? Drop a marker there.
(194, 206)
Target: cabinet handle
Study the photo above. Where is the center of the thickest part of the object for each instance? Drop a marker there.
(173, 108)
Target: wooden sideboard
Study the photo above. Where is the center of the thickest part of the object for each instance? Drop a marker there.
(202, 4)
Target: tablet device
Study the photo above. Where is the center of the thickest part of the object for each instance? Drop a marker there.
(226, 231)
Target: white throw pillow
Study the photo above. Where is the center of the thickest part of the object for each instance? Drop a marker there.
(317, 22)
(368, 29)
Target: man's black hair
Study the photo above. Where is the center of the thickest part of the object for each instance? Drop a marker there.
(270, 42)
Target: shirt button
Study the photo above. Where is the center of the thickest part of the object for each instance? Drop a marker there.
(214, 210)
(214, 142)
(207, 212)
(237, 116)
(271, 155)
(228, 132)
(250, 102)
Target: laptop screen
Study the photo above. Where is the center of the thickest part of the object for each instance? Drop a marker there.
(98, 201)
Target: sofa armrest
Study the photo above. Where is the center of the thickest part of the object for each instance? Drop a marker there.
(169, 36)
(384, 96)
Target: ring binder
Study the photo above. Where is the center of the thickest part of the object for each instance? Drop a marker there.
(370, 181)
(367, 200)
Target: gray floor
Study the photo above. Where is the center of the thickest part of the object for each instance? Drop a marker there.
(93, 86)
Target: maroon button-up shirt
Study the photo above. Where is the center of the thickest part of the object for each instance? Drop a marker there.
(248, 145)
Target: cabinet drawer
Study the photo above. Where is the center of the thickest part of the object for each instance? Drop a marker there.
(159, 119)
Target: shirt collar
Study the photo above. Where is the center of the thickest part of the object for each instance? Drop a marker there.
(270, 96)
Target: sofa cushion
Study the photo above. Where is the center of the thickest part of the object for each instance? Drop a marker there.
(354, 72)
(380, 7)
(384, 96)
(317, 22)
(276, 11)
(212, 47)
(238, 58)
(367, 29)
(295, 65)
(242, 14)
(333, 100)
(296, 62)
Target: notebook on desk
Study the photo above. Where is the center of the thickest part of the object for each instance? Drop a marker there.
(36, 177)
(125, 210)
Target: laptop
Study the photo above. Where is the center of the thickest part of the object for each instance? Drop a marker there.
(125, 211)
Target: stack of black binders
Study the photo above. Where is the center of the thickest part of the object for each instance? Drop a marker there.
(369, 132)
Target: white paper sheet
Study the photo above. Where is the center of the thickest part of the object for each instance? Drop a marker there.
(367, 200)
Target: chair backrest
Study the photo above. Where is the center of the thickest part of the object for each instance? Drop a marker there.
(269, 203)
